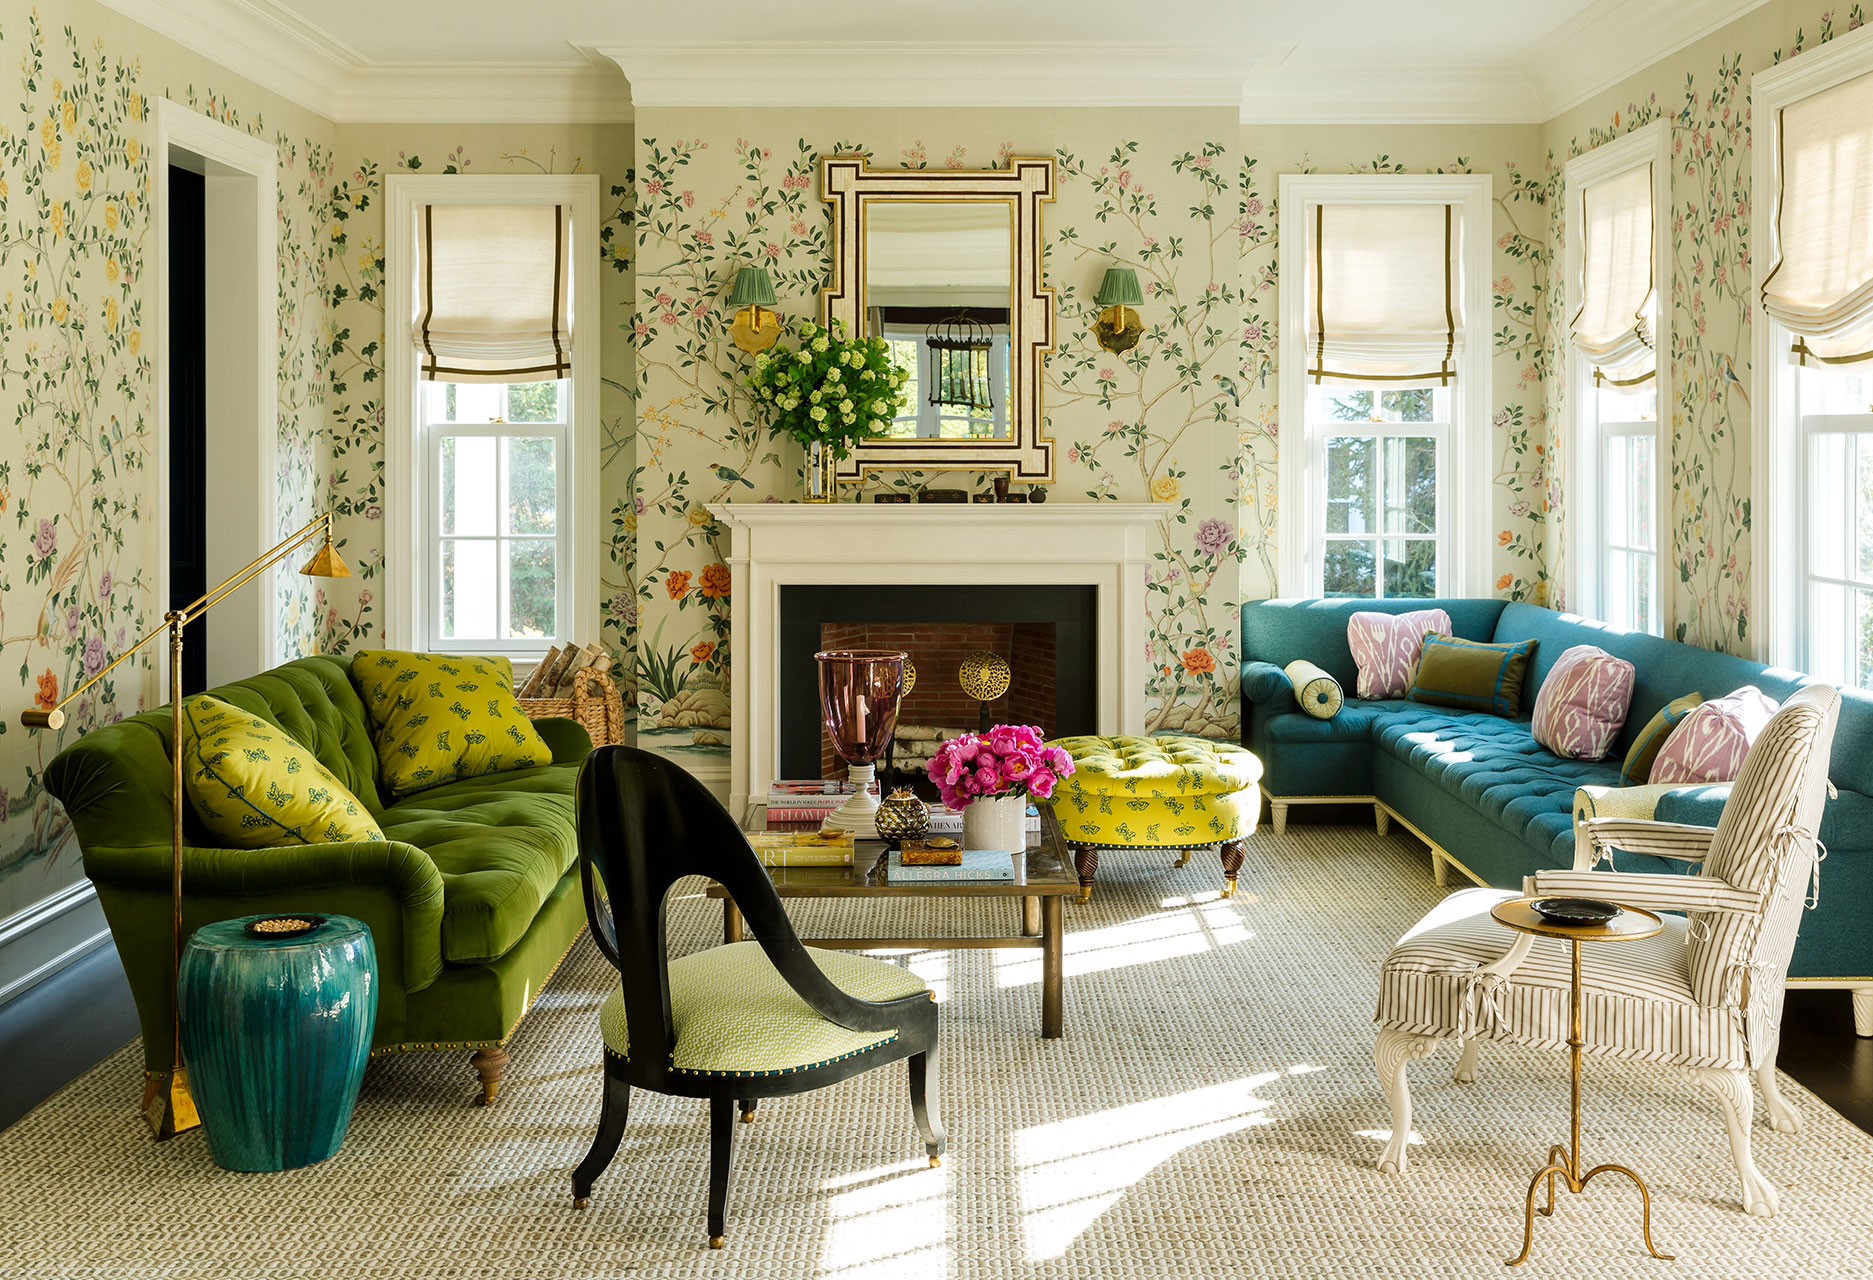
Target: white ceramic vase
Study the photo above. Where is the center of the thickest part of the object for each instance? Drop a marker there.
(998, 822)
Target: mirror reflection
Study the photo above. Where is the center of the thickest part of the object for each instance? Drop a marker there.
(939, 286)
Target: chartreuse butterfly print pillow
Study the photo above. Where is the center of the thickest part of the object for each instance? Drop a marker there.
(436, 718)
(255, 787)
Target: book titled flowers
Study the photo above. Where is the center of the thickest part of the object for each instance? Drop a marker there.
(1008, 760)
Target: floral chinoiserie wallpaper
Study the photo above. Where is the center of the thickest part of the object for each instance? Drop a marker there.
(77, 477)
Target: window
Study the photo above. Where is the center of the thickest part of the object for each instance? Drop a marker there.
(1382, 498)
(491, 406)
(923, 420)
(496, 488)
(1619, 472)
(1385, 385)
(1812, 410)
(1836, 414)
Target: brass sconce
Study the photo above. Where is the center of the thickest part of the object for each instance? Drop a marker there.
(755, 328)
(1118, 327)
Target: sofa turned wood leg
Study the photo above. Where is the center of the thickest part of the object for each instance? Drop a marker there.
(1279, 813)
(1863, 1011)
(1381, 819)
(488, 1064)
(1231, 854)
(1086, 862)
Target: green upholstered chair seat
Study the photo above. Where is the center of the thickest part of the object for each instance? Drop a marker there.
(733, 1014)
(501, 842)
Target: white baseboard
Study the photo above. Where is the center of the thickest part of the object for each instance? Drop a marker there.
(49, 935)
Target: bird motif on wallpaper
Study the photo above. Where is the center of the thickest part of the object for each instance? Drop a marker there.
(729, 475)
(1728, 372)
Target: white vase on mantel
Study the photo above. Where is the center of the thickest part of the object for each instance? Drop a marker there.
(996, 822)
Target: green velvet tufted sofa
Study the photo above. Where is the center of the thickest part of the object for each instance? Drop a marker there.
(472, 897)
(1492, 802)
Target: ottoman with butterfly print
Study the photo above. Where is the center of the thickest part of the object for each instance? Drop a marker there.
(1165, 792)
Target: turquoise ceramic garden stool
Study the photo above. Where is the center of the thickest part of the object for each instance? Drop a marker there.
(1162, 792)
(276, 1030)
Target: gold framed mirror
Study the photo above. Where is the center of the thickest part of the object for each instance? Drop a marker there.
(946, 266)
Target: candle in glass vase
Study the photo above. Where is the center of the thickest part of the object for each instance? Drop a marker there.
(859, 690)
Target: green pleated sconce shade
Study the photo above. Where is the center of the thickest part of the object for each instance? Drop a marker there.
(755, 288)
(1120, 289)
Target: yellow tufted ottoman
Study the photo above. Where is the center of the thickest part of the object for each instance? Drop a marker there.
(1165, 792)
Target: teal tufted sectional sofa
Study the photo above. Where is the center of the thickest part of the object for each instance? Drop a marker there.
(1491, 802)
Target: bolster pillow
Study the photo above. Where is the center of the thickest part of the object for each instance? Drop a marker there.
(1317, 692)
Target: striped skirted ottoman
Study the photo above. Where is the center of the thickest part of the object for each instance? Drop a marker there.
(1165, 792)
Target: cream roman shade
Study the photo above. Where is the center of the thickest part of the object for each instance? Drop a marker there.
(493, 293)
(1821, 287)
(1383, 295)
(1615, 324)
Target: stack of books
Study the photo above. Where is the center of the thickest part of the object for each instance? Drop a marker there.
(807, 799)
(811, 799)
(803, 848)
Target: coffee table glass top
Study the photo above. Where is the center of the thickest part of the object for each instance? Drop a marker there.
(1043, 871)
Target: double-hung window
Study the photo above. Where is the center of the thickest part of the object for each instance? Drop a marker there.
(491, 403)
(932, 410)
(1617, 490)
(1813, 570)
(1384, 385)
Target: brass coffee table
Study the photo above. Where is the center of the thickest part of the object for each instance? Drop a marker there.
(1036, 893)
(1631, 924)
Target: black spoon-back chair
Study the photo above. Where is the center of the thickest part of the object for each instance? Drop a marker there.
(743, 1021)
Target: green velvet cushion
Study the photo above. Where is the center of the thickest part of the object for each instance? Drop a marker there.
(1645, 747)
(1470, 675)
(501, 842)
(733, 1014)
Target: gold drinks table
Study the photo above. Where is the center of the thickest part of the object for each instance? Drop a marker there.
(1631, 924)
(1044, 878)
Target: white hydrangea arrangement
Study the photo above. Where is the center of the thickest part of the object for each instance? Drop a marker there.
(833, 389)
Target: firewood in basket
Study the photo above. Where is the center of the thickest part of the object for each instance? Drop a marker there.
(531, 687)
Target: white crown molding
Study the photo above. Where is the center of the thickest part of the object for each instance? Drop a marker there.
(278, 50)
(847, 74)
(1390, 94)
(1612, 40)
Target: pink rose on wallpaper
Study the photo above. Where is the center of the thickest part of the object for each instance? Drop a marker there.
(94, 655)
(689, 199)
(1213, 535)
(668, 317)
(654, 186)
(640, 329)
(1253, 207)
(771, 249)
(705, 239)
(48, 538)
(1125, 179)
(104, 586)
(71, 619)
(1252, 334)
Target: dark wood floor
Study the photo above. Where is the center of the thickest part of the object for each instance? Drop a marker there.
(45, 1043)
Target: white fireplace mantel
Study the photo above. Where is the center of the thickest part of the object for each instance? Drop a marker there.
(1105, 545)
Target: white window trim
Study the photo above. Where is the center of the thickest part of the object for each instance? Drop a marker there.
(1581, 460)
(1778, 445)
(1302, 477)
(928, 417)
(405, 551)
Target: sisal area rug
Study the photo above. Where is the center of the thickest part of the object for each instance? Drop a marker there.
(1211, 1112)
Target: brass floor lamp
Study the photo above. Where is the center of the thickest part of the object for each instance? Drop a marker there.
(167, 1105)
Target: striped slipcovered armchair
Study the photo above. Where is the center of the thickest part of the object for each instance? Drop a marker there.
(1705, 995)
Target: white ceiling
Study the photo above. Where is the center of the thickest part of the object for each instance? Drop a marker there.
(1394, 61)
(1336, 31)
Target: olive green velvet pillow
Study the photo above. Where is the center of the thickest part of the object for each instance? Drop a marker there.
(255, 787)
(1471, 675)
(436, 718)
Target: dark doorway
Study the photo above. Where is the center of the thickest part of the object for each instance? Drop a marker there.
(188, 413)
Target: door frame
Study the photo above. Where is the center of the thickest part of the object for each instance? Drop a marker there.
(244, 285)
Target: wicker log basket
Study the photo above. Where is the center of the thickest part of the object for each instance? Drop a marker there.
(594, 703)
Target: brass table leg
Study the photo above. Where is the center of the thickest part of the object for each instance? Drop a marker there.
(1030, 917)
(1051, 966)
(731, 921)
(1564, 1162)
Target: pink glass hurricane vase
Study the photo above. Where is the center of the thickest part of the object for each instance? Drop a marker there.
(859, 691)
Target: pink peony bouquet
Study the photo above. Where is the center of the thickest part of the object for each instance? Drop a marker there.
(1008, 760)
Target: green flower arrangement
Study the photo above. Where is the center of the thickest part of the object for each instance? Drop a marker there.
(834, 390)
